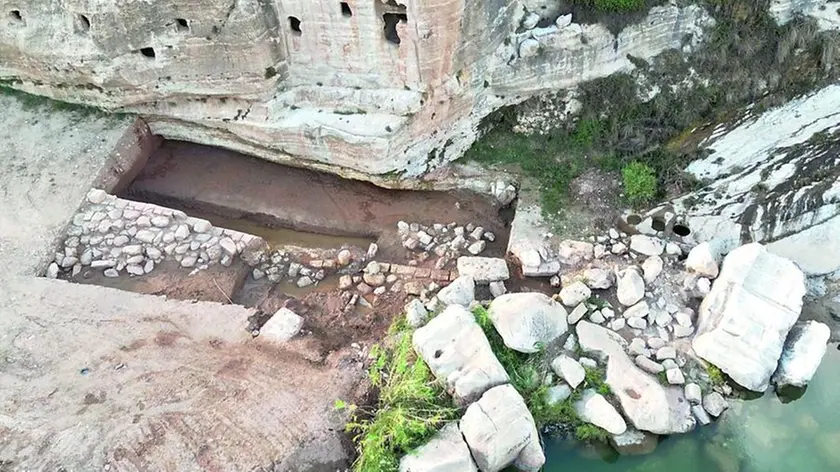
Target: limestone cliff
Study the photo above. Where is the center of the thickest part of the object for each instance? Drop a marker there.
(365, 88)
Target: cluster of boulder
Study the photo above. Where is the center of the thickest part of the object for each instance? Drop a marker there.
(305, 267)
(633, 313)
(444, 241)
(115, 236)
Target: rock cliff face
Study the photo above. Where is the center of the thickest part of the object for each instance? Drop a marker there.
(367, 89)
(826, 14)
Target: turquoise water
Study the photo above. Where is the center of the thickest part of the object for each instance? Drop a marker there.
(762, 435)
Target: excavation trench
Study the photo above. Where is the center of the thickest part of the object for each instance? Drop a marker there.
(307, 218)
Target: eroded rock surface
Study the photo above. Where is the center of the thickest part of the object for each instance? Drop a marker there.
(804, 349)
(445, 452)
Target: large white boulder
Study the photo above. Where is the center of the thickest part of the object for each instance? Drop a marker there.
(594, 408)
(445, 452)
(647, 245)
(460, 292)
(647, 404)
(744, 321)
(483, 270)
(804, 349)
(458, 354)
(500, 431)
(528, 321)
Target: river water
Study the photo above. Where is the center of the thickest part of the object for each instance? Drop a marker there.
(761, 435)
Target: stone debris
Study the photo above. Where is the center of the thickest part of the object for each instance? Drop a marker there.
(702, 260)
(577, 314)
(415, 313)
(497, 289)
(569, 370)
(715, 404)
(460, 292)
(282, 326)
(693, 393)
(557, 394)
(527, 322)
(631, 287)
(575, 294)
(634, 442)
(646, 245)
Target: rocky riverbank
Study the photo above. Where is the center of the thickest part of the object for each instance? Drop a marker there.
(669, 336)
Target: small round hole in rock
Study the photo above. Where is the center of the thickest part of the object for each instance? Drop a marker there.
(148, 52)
(183, 24)
(15, 15)
(294, 23)
(681, 230)
(657, 223)
(634, 219)
(438, 353)
(345, 9)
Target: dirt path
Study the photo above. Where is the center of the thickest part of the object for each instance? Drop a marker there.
(95, 376)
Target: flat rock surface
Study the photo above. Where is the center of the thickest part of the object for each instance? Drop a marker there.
(53, 157)
(95, 376)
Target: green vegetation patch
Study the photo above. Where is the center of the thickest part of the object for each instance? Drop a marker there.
(639, 183)
(613, 5)
(411, 407)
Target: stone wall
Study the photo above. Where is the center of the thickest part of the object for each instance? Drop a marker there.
(368, 89)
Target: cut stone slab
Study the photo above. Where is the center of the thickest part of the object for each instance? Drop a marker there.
(631, 288)
(702, 259)
(649, 365)
(744, 321)
(675, 376)
(577, 314)
(634, 442)
(460, 292)
(575, 294)
(569, 370)
(804, 349)
(458, 354)
(646, 245)
(281, 327)
(498, 429)
(647, 404)
(483, 270)
(445, 452)
(527, 322)
(701, 415)
(594, 408)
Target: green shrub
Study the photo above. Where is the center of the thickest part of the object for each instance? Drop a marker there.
(614, 5)
(639, 183)
(716, 376)
(596, 379)
(412, 406)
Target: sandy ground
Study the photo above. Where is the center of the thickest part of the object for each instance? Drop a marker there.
(48, 162)
(93, 378)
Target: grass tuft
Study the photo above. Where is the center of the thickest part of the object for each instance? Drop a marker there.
(639, 183)
(412, 406)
